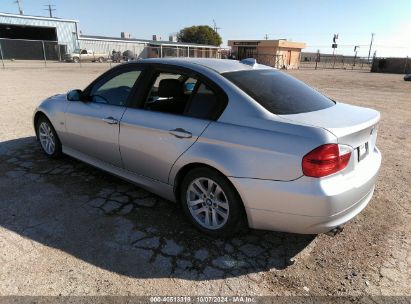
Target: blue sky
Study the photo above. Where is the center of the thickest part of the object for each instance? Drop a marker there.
(313, 22)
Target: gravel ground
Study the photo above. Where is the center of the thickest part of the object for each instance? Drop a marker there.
(69, 229)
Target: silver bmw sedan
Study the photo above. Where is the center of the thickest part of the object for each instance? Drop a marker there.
(237, 144)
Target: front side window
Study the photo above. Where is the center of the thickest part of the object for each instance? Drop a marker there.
(279, 93)
(116, 90)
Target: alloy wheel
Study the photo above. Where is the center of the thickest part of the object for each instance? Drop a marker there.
(47, 139)
(207, 203)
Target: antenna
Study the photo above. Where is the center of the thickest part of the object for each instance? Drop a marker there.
(216, 28)
(50, 9)
(20, 9)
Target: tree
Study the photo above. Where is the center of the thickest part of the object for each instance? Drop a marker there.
(201, 34)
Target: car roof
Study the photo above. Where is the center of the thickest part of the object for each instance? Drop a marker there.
(218, 65)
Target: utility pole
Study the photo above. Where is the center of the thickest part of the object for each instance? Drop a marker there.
(369, 52)
(355, 53)
(266, 37)
(50, 9)
(216, 28)
(334, 46)
(20, 9)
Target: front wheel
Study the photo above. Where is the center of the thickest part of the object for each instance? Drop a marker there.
(76, 60)
(212, 204)
(101, 59)
(48, 138)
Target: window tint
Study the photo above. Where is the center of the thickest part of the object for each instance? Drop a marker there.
(114, 91)
(279, 93)
(203, 104)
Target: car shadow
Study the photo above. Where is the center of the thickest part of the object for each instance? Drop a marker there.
(112, 224)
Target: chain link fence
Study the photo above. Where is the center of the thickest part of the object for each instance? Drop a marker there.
(327, 61)
(35, 53)
(276, 61)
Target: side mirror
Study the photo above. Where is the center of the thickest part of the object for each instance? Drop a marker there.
(189, 87)
(75, 95)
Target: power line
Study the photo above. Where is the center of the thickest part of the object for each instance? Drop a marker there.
(50, 9)
(340, 45)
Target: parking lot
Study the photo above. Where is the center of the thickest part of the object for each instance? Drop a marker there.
(69, 229)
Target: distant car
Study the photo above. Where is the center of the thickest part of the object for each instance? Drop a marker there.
(407, 77)
(129, 55)
(236, 143)
(84, 55)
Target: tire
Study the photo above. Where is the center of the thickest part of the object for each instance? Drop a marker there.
(76, 60)
(100, 59)
(222, 205)
(48, 139)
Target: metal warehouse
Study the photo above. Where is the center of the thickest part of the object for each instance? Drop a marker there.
(32, 37)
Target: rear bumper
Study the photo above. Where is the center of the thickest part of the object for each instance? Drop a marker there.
(309, 205)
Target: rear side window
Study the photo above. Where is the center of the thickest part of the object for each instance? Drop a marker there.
(279, 93)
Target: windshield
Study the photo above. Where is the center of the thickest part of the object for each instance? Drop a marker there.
(278, 92)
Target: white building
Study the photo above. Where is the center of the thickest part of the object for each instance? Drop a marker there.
(32, 37)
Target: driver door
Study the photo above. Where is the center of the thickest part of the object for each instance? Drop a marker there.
(92, 126)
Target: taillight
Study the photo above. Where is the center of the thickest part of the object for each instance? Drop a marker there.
(326, 159)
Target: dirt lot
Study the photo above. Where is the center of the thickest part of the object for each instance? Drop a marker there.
(69, 229)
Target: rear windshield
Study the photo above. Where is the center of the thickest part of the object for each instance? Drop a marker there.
(278, 92)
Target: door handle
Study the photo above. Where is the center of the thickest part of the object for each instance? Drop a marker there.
(181, 133)
(110, 120)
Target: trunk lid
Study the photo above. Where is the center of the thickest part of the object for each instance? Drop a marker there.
(352, 125)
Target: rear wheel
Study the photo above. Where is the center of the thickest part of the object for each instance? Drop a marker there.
(212, 204)
(49, 141)
(100, 59)
(76, 60)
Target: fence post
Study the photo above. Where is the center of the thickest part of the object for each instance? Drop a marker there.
(44, 54)
(1, 53)
(58, 47)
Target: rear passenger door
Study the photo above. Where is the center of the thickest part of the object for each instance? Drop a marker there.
(165, 123)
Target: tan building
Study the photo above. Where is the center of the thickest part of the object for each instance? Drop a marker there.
(276, 53)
